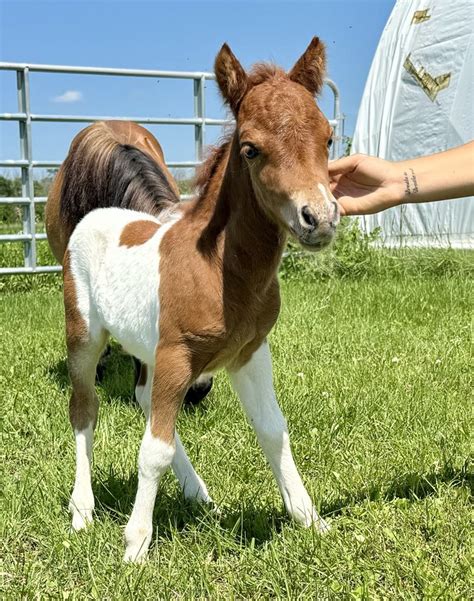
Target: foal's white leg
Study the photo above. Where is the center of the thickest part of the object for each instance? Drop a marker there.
(81, 504)
(254, 385)
(191, 484)
(83, 408)
(154, 459)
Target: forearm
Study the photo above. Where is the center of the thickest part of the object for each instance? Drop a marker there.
(440, 176)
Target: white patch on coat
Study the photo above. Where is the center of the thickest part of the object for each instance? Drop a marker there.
(117, 287)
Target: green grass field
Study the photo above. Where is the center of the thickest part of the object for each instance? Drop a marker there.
(373, 374)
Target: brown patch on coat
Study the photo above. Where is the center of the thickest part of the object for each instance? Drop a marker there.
(228, 300)
(76, 328)
(138, 232)
(83, 355)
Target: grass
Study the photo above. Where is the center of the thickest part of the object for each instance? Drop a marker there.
(374, 377)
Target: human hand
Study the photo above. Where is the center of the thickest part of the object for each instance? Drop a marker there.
(363, 185)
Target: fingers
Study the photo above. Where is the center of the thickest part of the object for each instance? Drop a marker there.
(363, 205)
(344, 165)
(353, 206)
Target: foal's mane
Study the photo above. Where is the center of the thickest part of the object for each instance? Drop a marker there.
(207, 170)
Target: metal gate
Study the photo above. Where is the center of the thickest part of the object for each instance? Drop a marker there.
(25, 117)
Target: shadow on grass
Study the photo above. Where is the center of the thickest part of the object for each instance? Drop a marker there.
(115, 374)
(251, 525)
(115, 495)
(412, 487)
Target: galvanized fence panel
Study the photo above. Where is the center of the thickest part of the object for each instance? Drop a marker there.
(25, 117)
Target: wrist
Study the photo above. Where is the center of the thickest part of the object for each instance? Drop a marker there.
(404, 185)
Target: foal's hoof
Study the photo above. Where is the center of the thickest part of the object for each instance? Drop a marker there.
(81, 519)
(135, 555)
(311, 519)
(322, 526)
(137, 541)
(198, 391)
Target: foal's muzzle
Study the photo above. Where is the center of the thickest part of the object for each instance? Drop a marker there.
(316, 226)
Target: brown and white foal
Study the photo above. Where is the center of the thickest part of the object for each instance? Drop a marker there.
(196, 290)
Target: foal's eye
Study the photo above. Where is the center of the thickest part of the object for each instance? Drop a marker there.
(250, 151)
(330, 141)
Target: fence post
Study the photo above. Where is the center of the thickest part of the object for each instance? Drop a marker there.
(27, 184)
(199, 112)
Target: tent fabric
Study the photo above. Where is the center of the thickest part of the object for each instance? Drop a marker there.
(418, 100)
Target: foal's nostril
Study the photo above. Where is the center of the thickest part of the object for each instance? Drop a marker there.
(309, 218)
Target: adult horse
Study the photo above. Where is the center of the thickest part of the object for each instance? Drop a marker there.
(195, 289)
(122, 147)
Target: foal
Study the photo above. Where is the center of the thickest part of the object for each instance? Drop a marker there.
(198, 291)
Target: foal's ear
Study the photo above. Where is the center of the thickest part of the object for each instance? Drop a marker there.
(231, 78)
(310, 68)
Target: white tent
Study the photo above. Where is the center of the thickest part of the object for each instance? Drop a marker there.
(419, 99)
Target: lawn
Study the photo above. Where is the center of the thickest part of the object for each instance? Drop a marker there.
(373, 374)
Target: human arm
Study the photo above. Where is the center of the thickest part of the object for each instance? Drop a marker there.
(364, 185)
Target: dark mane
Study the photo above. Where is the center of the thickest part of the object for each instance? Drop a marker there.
(112, 175)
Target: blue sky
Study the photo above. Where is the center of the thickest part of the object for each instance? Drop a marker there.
(171, 36)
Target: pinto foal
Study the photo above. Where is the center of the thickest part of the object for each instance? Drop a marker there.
(197, 290)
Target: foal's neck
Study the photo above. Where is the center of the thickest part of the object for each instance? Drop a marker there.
(237, 232)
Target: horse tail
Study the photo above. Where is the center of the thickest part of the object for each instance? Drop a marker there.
(103, 171)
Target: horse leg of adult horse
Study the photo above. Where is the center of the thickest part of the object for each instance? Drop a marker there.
(191, 484)
(171, 379)
(254, 385)
(102, 363)
(194, 395)
(199, 390)
(83, 408)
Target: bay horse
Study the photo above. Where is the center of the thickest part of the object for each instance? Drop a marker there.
(195, 289)
(125, 148)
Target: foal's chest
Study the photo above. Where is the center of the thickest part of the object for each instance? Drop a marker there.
(242, 330)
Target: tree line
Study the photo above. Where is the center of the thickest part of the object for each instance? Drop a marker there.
(11, 187)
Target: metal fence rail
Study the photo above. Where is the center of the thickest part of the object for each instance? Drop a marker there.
(25, 117)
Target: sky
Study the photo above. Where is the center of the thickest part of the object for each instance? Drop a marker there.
(170, 35)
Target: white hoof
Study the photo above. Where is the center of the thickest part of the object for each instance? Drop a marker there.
(197, 493)
(311, 519)
(137, 541)
(135, 554)
(322, 526)
(81, 518)
(81, 511)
